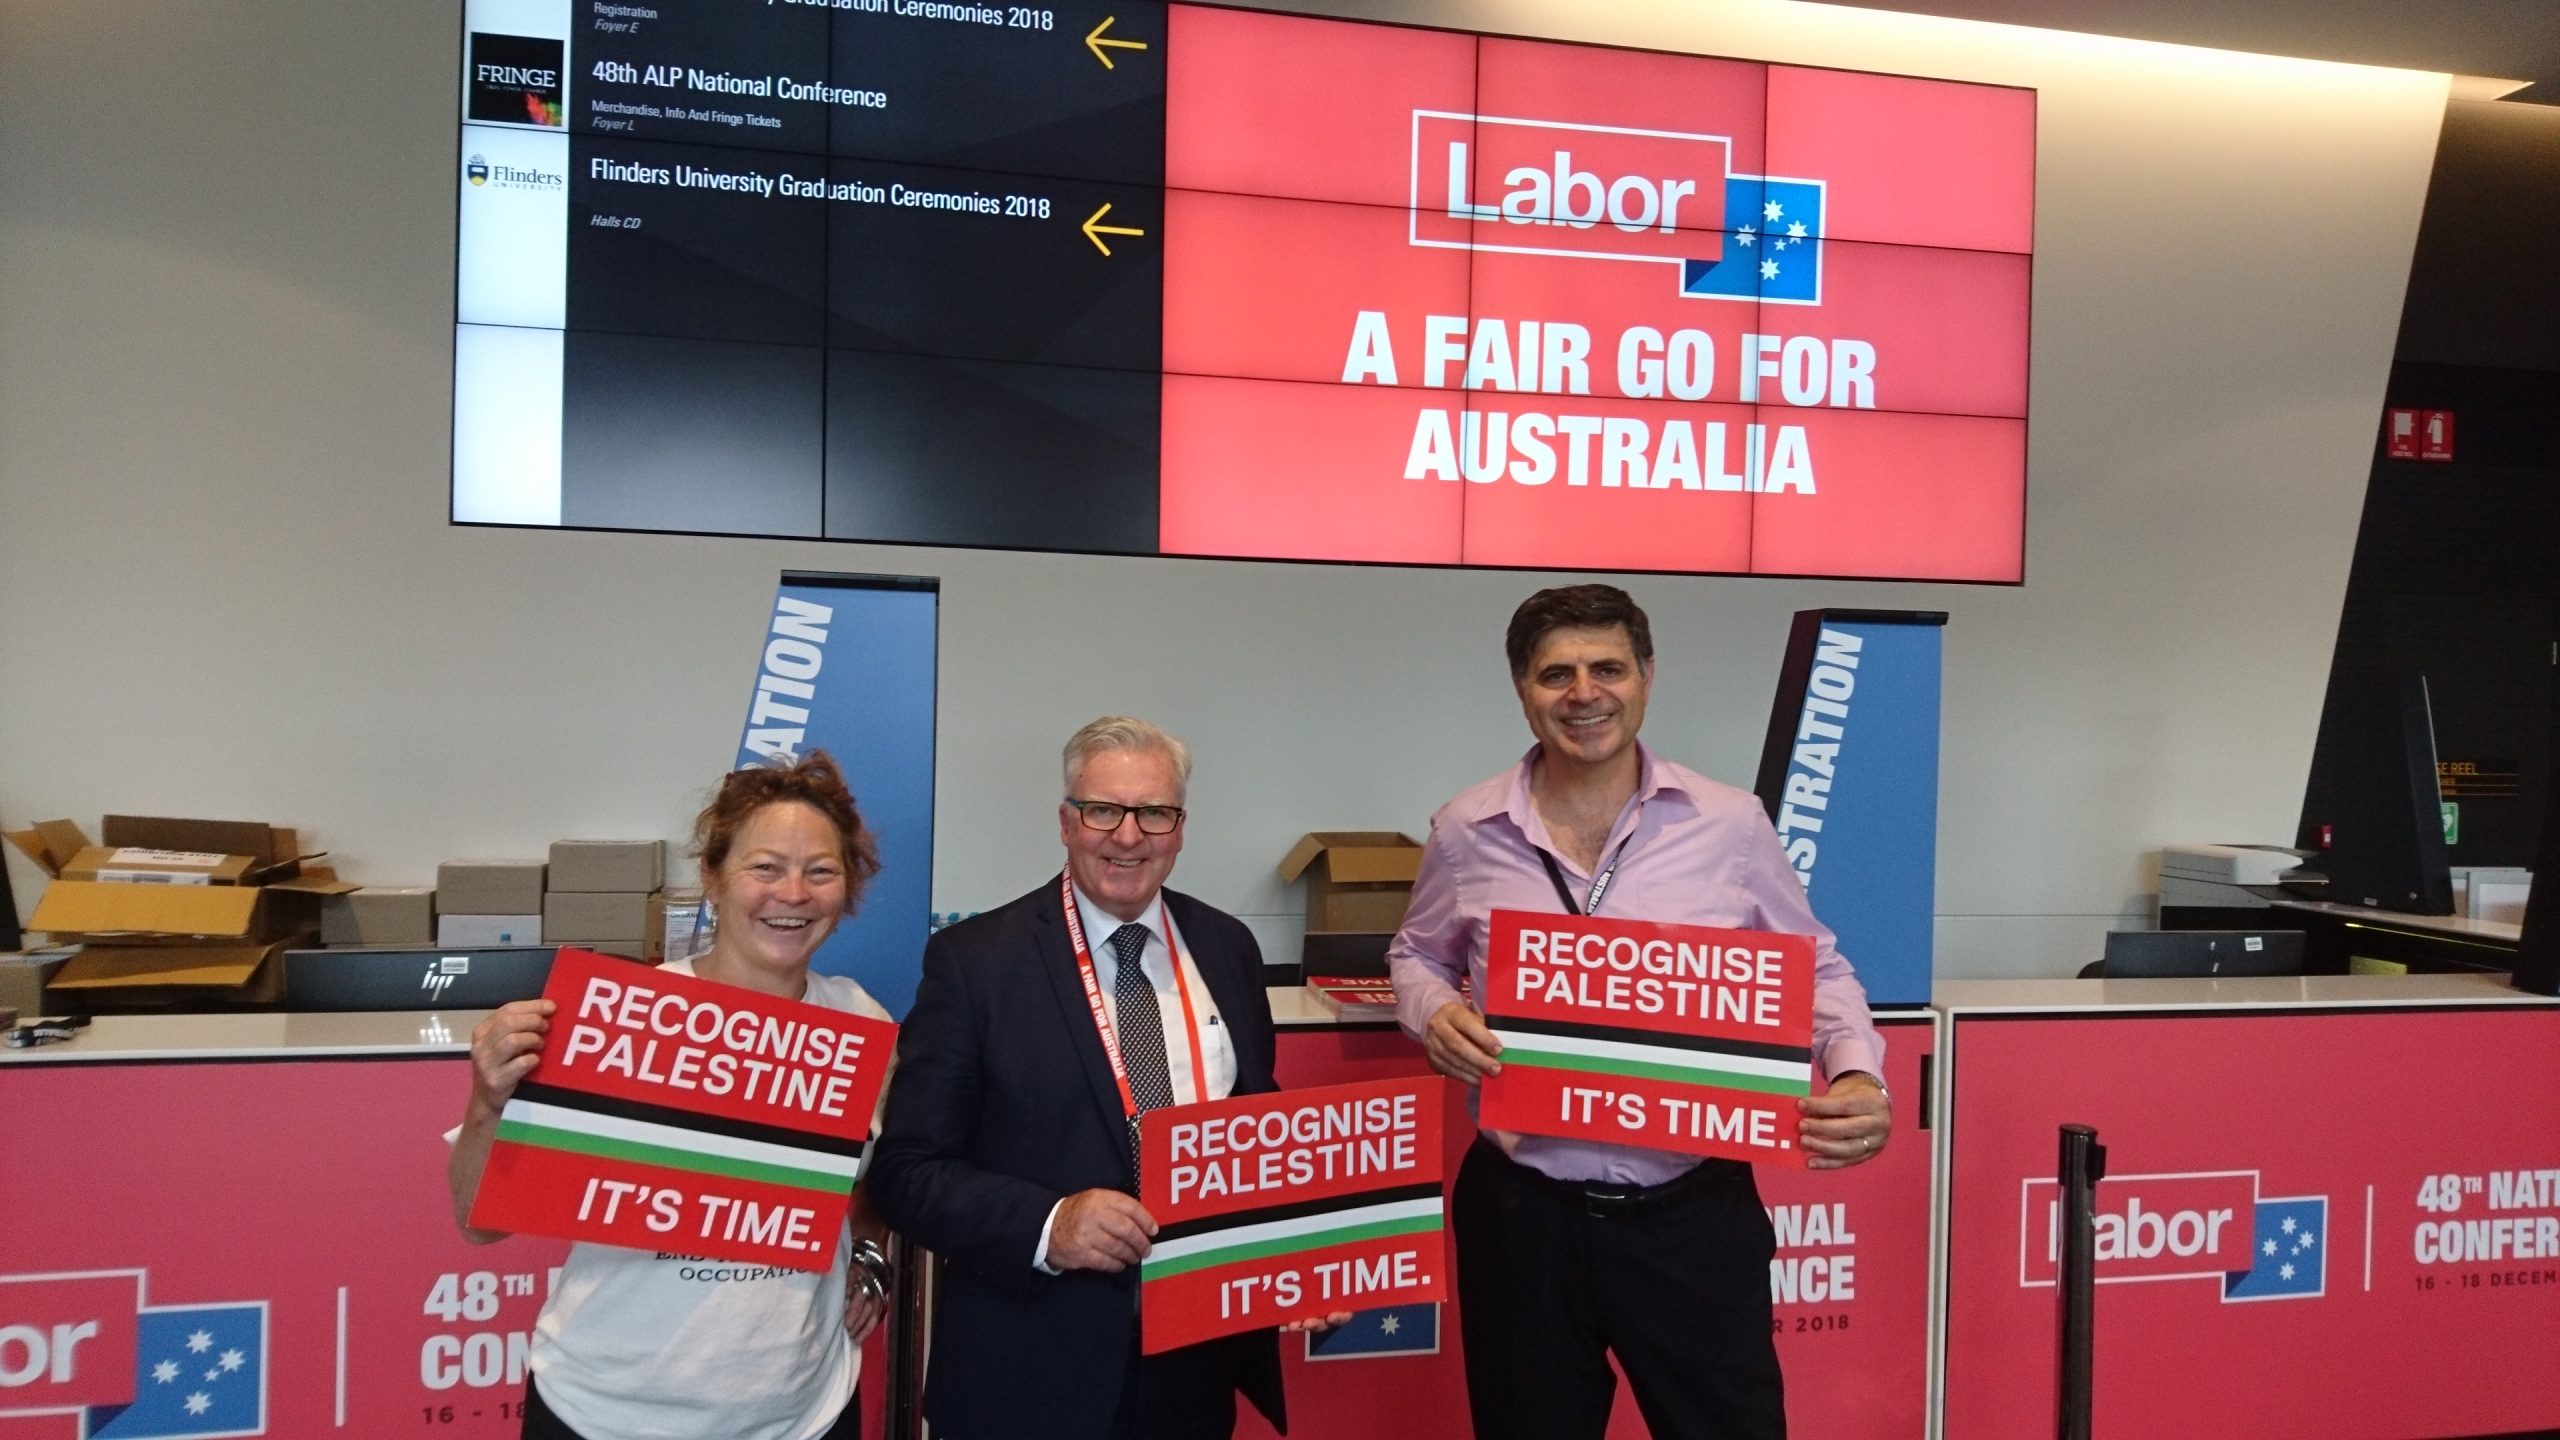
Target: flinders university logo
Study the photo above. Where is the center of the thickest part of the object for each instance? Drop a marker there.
(1600, 192)
(84, 1344)
(476, 170)
(2205, 1226)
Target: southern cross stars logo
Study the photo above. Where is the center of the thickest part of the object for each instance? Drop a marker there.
(2288, 1260)
(1774, 253)
(203, 1374)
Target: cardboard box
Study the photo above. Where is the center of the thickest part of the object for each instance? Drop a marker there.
(24, 975)
(629, 867)
(106, 912)
(1356, 879)
(51, 844)
(157, 977)
(380, 915)
(674, 918)
(489, 887)
(585, 918)
(464, 930)
(141, 865)
(271, 845)
(147, 945)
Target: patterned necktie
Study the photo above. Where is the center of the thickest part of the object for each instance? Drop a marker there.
(1141, 1029)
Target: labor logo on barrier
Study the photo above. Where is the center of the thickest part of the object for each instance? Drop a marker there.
(85, 1344)
(673, 1113)
(2209, 1226)
(1669, 1037)
(1272, 1208)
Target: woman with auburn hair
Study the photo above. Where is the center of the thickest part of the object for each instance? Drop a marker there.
(634, 1345)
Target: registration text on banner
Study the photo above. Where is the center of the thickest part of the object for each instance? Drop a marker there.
(1273, 1208)
(675, 1114)
(1669, 1037)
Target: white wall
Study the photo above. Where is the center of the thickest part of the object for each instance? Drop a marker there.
(227, 587)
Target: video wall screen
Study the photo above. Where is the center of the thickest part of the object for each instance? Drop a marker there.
(1179, 280)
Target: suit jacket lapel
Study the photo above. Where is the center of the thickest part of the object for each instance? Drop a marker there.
(1066, 982)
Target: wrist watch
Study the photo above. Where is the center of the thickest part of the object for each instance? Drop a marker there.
(1871, 1075)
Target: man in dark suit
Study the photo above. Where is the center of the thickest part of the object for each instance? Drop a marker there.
(1040, 1032)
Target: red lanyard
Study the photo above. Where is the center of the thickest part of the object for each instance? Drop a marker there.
(1102, 1015)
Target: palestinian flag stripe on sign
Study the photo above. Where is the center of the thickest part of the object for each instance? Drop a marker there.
(1594, 1050)
(586, 1132)
(563, 1098)
(1259, 1239)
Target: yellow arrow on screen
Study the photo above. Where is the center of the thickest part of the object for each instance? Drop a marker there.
(1094, 229)
(1095, 43)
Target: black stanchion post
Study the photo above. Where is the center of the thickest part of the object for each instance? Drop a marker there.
(910, 1319)
(2083, 1165)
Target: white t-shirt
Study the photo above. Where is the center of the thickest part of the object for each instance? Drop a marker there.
(640, 1346)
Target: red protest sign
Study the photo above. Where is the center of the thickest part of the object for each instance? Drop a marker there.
(1272, 1208)
(674, 1113)
(1669, 1037)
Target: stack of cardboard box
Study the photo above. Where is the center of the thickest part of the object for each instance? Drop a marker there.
(1358, 883)
(489, 902)
(170, 911)
(604, 896)
(379, 916)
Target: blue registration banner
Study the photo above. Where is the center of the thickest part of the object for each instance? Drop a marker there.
(847, 665)
(1849, 775)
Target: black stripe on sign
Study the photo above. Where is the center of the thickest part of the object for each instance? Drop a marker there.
(668, 1115)
(1626, 1035)
(1424, 1190)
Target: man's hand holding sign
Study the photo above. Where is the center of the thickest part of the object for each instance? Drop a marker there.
(674, 1113)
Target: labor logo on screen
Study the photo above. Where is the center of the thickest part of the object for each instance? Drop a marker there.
(1606, 192)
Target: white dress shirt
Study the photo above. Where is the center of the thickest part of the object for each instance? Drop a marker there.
(1217, 1054)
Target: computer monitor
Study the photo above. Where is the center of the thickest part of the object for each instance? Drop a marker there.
(2200, 954)
(415, 978)
(2377, 795)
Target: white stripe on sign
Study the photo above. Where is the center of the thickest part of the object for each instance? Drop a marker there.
(1292, 1228)
(1681, 1056)
(642, 1132)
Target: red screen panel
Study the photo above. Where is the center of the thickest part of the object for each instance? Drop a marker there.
(1299, 472)
(1273, 289)
(1605, 484)
(1925, 497)
(1942, 330)
(1309, 109)
(1909, 162)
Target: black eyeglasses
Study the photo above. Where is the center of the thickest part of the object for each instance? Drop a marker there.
(1103, 815)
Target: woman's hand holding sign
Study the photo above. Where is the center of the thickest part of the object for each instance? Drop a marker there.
(504, 1049)
(1847, 1125)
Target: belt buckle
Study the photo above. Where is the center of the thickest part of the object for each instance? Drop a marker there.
(1609, 1202)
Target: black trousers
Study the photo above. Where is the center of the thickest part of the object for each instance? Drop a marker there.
(1185, 1394)
(1673, 1280)
(541, 1424)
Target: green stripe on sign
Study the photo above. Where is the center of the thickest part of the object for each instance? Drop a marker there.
(1649, 1070)
(1290, 1244)
(576, 1143)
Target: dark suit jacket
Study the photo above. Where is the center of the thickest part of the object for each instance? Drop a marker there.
(1002, 1105)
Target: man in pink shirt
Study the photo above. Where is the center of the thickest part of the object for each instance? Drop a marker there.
(1570, 1251)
